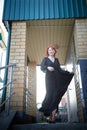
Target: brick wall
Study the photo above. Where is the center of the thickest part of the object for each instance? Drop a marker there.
(18, 55)
(72, 96)
(32, 88)
(80, 39)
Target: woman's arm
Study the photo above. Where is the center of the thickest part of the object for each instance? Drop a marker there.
(43, 65)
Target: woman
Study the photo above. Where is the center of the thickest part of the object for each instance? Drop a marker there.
(57, 81)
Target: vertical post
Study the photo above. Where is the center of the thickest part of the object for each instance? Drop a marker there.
(9, 90)
(68, 106)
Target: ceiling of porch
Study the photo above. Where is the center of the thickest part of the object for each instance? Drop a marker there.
(42, 33)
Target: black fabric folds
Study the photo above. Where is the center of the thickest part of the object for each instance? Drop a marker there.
(57, 82)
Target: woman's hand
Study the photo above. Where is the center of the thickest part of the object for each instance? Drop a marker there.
(50, 68)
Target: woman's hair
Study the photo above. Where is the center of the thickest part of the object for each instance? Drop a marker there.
(51, 46)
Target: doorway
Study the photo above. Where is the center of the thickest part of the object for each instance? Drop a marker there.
(42, 33)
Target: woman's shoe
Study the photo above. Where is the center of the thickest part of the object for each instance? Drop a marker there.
(51, 118)
(51, 121)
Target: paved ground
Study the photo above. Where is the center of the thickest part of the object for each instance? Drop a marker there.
(56, 126)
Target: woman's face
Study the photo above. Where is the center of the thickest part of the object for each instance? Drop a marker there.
(51, 52)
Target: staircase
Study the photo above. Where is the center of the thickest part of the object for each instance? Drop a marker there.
(6, 120)
(13, 120)
(19, 121)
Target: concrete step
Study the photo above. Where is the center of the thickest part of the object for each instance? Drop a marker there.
(51, 126)
(6, 120)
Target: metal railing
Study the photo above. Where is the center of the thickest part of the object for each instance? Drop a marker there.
(9, 85)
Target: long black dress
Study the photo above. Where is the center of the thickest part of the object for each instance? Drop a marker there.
(57, 82)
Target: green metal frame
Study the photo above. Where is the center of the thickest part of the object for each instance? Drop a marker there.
(7, 62)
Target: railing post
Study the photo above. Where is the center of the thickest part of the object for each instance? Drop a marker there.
(9, 90)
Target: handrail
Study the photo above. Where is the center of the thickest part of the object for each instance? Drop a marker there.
(7, 99)
(28, 92)
(7, 66)
(9, 85)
